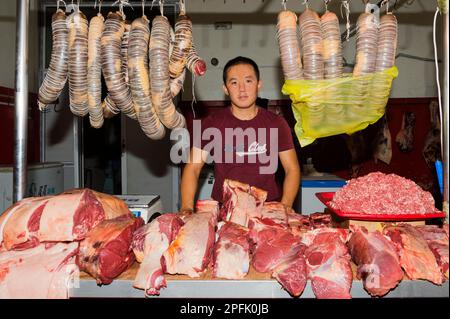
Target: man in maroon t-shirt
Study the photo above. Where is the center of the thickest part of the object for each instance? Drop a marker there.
(244, 141)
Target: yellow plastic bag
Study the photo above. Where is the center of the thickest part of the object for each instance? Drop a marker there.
(336, 106)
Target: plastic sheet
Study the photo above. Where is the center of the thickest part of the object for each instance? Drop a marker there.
(335, 106)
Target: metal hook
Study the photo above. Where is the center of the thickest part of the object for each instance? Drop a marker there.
(283, 4)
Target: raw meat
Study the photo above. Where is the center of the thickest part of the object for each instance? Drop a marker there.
(328, 263)
(149, 243)
(291, 273)
(207, 205)
(432, 145)
(190, 252)
(382, 145)
(231, 252)
(416, 258)
(377, 260)
(319, 220)
(405, 137)
(276, 212)
(106, 251)
(71, 215)
(437, 239)
(274, 243)
(241, 202)
(298, 224)
(39, 272)
(20, 223)
(378, 193)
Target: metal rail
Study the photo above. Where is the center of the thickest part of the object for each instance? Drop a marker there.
(21, 98)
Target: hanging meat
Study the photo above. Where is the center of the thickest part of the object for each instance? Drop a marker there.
(332, 47)
(94, 72)
(111, 41)
(366, 44)
(383, 143)
(177, 84)
(288, 45)
(78, 62)
(56, 75)
(139, 80)
(182, 45)
(159, 74)
(405, 137)
(432, 147)
(194, 63)
(387, 42)
(312, 45)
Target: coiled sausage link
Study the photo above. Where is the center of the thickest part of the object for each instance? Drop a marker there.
(78, 60)
(195, 64)
(366, 44)
(139, 79)
(332, 47)
(182, 45)
(312, 45)
(109, 107)
(94, 72)
(124, 50)
(159, 74)
(387, 42)
(118, 89)
(288, 45)
(56, 76)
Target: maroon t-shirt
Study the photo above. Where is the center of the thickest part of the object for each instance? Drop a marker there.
(245, 150)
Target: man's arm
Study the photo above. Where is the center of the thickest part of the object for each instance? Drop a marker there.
(291, 182)
(189, 180)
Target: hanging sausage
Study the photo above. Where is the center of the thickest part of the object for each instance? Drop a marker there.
(94, 72)
(182, 45)
(159, 74)
(78, 60)
(312, 46)
(112, 66)
(139, 78)
(56, 75)
(195, 64)
(366, 44)
(387, 42)
(332, 48)
(288, 45)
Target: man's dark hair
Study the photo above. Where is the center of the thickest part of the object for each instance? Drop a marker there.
(240, 60)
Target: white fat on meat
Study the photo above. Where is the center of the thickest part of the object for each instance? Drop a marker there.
(38, 272)
(190, 252)
(15, 229)
(57, 219)
(156, 242)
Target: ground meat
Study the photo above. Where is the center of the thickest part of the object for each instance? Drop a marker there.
(378, 193)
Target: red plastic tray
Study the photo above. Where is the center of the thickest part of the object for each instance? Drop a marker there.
(327, 197)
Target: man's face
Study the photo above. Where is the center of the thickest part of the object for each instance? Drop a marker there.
(242, 85)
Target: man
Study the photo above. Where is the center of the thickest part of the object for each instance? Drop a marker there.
(258, 138)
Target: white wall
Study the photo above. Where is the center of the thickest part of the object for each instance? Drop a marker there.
(253, 34)
(8, 44)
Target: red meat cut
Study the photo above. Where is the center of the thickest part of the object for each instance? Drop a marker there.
(106, 251)
(231, 252)
(241, 202)
(377, 260)
(416, 258)
(149, 243)
(328, 263)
